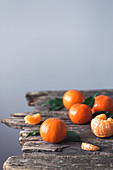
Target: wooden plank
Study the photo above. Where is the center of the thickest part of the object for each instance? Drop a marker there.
(38, 146)
(35, 97)
(17, 120)
(50, 162)
(32, 97)
(85, 133)
(41, 97)
(80, 129)
(23, 139)
(14, 122)
(21, 114)
(62, 113)
(34, 146)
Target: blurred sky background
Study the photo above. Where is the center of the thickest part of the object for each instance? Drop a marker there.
(53, 45)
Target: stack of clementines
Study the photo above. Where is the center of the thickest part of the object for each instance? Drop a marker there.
(78, 113)
(54, 130)
(81, 113)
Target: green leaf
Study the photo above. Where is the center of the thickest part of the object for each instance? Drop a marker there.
(55, 104)
(90, 101)
(73, 136)
(55, 108)
(111, 115)
(102, 112)
(33, 133)
(47, 103)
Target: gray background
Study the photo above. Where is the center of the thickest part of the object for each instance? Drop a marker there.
(51, 45)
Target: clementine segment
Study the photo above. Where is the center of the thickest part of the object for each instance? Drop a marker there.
(33, 119)
(80, 113)
(103, 103)
(101, 126)
(89, 147)
(72, 97)
(53, 130)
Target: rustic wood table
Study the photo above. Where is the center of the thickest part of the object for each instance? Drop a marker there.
(38, 154)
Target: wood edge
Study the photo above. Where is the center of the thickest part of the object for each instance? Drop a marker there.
(12, 162)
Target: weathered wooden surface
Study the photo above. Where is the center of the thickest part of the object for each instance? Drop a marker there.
(35, 97)
(35, 144)
(38, 154)
(16, 120)
(38, 98)
(52, 162)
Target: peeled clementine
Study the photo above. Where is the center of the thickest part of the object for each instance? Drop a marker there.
(53, 130)
(103, 103)
(101, 126)
(89, 147)
(80, 113)
(72, 97)
(33, 119)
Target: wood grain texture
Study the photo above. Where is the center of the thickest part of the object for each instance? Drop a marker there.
(35, 97)
(38, 154)
(16, 119)
(39, 146)
(74, 148)
(16, 122)
(57, 162)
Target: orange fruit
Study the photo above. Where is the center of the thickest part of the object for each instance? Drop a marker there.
(80, 113)
(89, 147)
(53, 130)
(72, 97)
(101, 126)
(103, 103)
(32, 119)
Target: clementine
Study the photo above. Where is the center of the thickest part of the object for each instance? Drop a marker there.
(72, 97)
(101, 126)
(89, 147)
(32, 119)
(103, 103)
(53, 130)
(80, 113)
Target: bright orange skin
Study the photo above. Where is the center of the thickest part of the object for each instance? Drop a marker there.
(80, 113)
(103, 103)
(89, 147)
(72, 97)
(33, 119)
(101, 126)
(53, 130)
